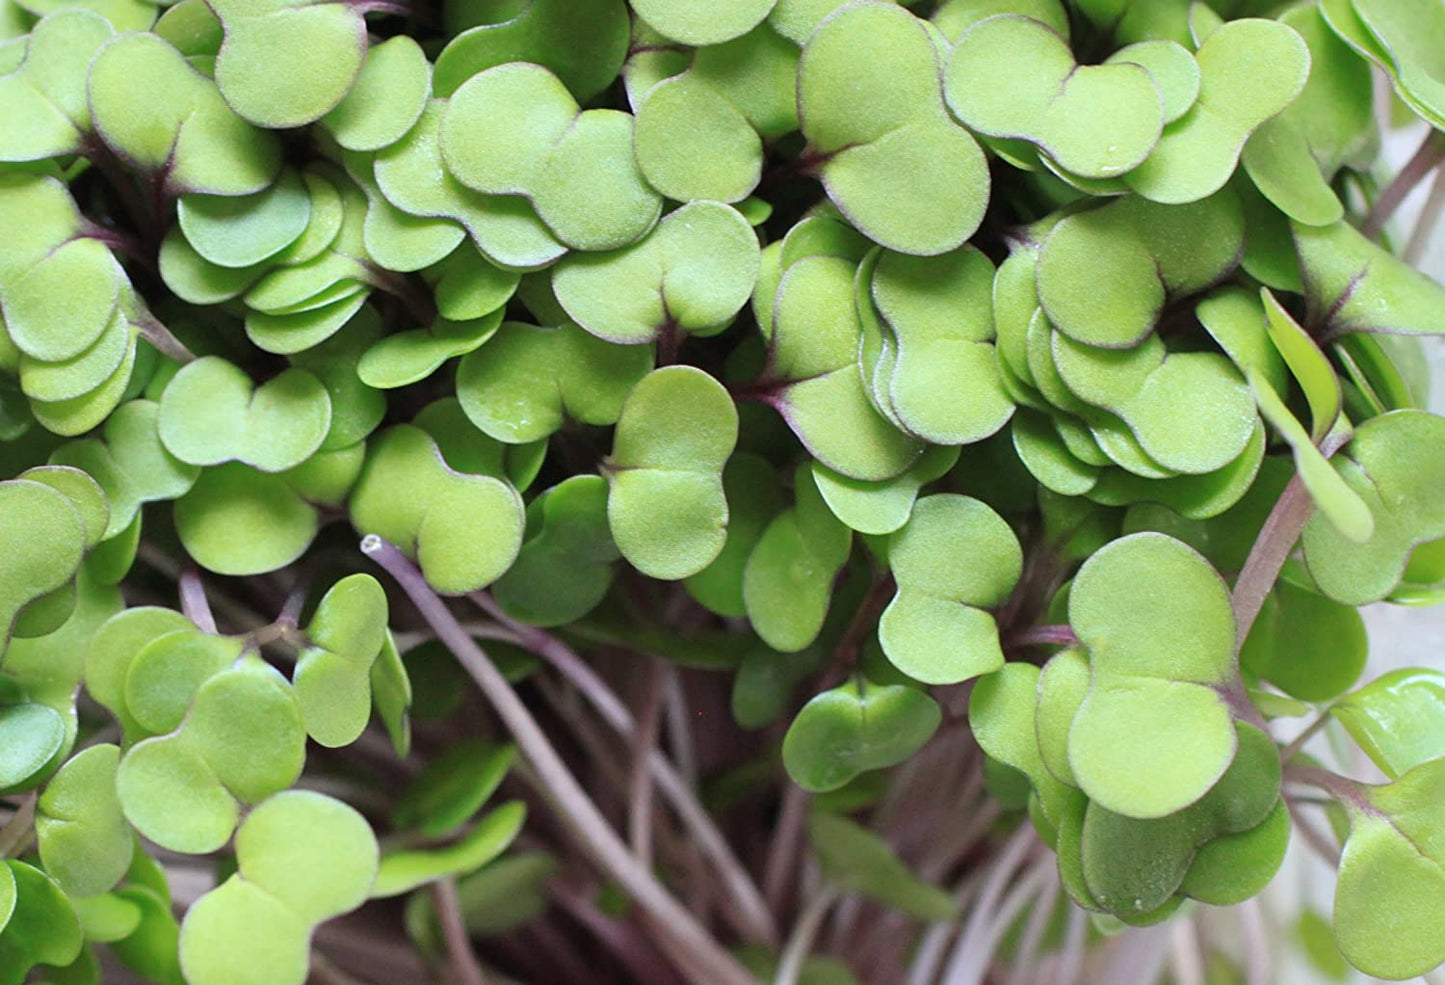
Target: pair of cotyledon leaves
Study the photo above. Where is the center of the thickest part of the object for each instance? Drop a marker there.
(70, 313)
(676, 428)
(1076, 344)
(54, 515)
(1221, 848)
(1150, 730)
(302, 858)
(1154, 118)
(191, 756)
(869, 356)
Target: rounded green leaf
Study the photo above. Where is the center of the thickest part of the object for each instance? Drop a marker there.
(854, 728)
(464, 530)
(237, 926)
(954, 559)
(527, 380)
(665, 501)
(333, 673)
(693, 144)
(210, 413)
(238, 521)
(85, 843)
(693, 273)
(1153, 733)
(387, 98)
(239, 231)
(283, 65)
(877, 119)
(312, 852)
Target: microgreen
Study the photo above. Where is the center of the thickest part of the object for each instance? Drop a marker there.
(937, 629)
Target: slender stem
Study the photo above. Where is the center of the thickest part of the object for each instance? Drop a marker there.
(710, 963)
(418, 303)
(1258, 946)
(154, 332)
(800, 941)
(750, 915)
(1282, 528)
(1026, 959)
(975, 945)
(1042, 636)
(679, 730)
(1298, 742)
(1186, 960)
(17, 832)
(1426, 221)
(237, 612)
(1071, 955)
(929, 953)
(1266, 558)
(621, 939)
(1426, 158)
(120, 182)
(194, 604)
(783, 849)
(463, 961)
(1312, 835)
(1347, 791)
(644, 742)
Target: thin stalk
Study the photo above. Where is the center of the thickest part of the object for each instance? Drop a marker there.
(800, 941)
(1258, 947)
(155, 332)
(460, 957)
(679, 730)
(622, 940)
(1347, 791)
(1071, 955)
(120, 182)
(995, 910)
(1298, 742)
(783, 848)
(1425, 223)
(1312, 835)
(194, 605)
(1027, 960)
(644, 741)
(750, 914)
(1266, 558)
(1186, 960)
(1427, 158)
(710, 963)
(1042, 636)
(1282, 528)
(929, 954)
(17, 832)
(972, 957)
(324, 971)
(237, 612)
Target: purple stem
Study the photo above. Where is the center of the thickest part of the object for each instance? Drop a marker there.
(706, 961)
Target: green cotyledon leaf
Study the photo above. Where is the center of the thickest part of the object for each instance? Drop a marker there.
(1390, 898)
(1153, 733)
(665, 501)
(953, 560)
(853, 728)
